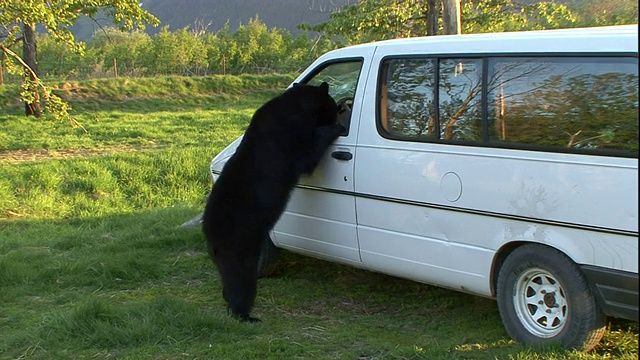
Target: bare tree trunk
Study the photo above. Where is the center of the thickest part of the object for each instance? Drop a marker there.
(432, 17)
(451, 16)
(29, 55)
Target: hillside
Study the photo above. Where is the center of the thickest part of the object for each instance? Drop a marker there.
(214, 14)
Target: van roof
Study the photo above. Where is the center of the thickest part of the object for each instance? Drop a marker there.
(602, 39)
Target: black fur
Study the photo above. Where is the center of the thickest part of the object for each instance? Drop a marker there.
(287, 137)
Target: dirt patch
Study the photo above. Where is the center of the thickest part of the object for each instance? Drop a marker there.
(16, 156)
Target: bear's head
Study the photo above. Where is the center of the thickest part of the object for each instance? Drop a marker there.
(315, 102)
(327, 107)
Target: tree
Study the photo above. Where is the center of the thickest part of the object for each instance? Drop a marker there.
(432, 17)
(480, 16)
(371, 20)
(605, 12)
(29, 55)
(220, 48)
(112, 47)
(57, 60)
(259, 49)
(18, 20)
(451, 17)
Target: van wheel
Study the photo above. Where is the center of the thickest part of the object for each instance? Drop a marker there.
(543, 298)
(268, 258)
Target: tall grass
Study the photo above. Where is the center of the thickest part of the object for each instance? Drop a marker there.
(94, 263)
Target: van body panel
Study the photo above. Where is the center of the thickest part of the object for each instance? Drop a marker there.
(319, 222)
(535, 186)
(422, 244)
(532, 189)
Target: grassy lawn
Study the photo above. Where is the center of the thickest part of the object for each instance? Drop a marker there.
(94, 263)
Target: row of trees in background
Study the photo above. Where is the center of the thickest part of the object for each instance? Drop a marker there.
(252, 48)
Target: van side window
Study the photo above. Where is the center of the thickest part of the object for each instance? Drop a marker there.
(409, 99)
(342, 78)
(584, 104)
(577, 103)
(411, 108)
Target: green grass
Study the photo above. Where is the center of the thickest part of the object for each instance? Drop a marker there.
(94, 263)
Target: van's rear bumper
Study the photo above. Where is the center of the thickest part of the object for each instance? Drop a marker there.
(615, 290)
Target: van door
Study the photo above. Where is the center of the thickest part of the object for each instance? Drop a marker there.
(405, 185)
(320, 219)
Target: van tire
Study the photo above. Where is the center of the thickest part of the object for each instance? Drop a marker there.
(537, 280)
(268, 258)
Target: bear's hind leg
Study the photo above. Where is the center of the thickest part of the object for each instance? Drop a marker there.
(240, 293)
(240, 283)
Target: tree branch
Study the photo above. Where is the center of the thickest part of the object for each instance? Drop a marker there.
(36, 80)
(28, 68)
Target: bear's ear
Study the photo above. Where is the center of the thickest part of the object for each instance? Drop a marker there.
(296, 84)
(324, 87)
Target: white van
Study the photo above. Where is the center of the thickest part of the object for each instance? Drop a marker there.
(502, 165)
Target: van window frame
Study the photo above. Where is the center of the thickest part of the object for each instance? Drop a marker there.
(486, 142)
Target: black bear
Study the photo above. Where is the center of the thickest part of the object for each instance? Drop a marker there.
(287, 137)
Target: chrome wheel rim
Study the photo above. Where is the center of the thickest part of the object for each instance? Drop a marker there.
(541, 303)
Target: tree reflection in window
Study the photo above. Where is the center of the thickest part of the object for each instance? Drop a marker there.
(578, 103)
(410, 100)
(542, 103)
(460, 83)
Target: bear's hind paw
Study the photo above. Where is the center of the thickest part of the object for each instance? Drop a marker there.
(250, 320)
(246, 318)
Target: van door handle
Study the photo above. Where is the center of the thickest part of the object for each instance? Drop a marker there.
(342, 155)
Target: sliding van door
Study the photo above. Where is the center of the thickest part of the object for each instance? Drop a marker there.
(408, 187)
